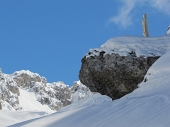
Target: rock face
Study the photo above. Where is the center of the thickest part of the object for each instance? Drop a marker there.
(114, 75)
(79, 91)
(54, 95)
(120, 64)
(9, 92)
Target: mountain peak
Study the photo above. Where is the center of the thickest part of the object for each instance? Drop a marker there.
(25, 90)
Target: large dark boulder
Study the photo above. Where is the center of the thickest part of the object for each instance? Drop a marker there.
(112, 74)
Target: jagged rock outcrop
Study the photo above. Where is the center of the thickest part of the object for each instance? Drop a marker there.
(63, 92)
(54, 95)
(9, 92)
(114, 75)
(79, 91)
(119, 65)
(26, 79)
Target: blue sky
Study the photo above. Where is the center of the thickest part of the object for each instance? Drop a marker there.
(50, 37)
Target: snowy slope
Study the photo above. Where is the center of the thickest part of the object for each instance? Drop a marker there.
(147, 106)
(29, 102)
(10, 117)
(31, 108)
(28, 94)
(79, 91)
(142, 46)
(28, 91)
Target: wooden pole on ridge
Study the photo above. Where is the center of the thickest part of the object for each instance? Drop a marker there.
(145, 26)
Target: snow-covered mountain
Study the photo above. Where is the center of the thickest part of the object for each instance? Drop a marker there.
(146, 106)
(27, 91)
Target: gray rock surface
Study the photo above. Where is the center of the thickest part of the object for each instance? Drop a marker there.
(63, 92)
(9, 92)
(112, 74)
(26, 79)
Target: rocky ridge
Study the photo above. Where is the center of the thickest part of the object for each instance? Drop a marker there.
(120, 64)
(56, 95)
(114, 75)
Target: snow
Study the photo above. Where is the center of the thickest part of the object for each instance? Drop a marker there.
(147, 106)
(16, 73)
(79, 91)
(10, 117)
(68, 110)
(28, 101)
(142, 46)
(31, 109)
(59, 84)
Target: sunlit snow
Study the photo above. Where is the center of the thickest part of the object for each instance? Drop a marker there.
(142, 46)
(147, 106)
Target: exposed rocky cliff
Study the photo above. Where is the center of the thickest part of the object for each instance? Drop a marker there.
(120, 64)
(9, 92)
(114, 75)
(54, 95)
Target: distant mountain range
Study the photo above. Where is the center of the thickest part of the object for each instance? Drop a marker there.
(24, 91)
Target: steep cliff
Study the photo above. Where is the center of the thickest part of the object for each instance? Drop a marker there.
(120, 64)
